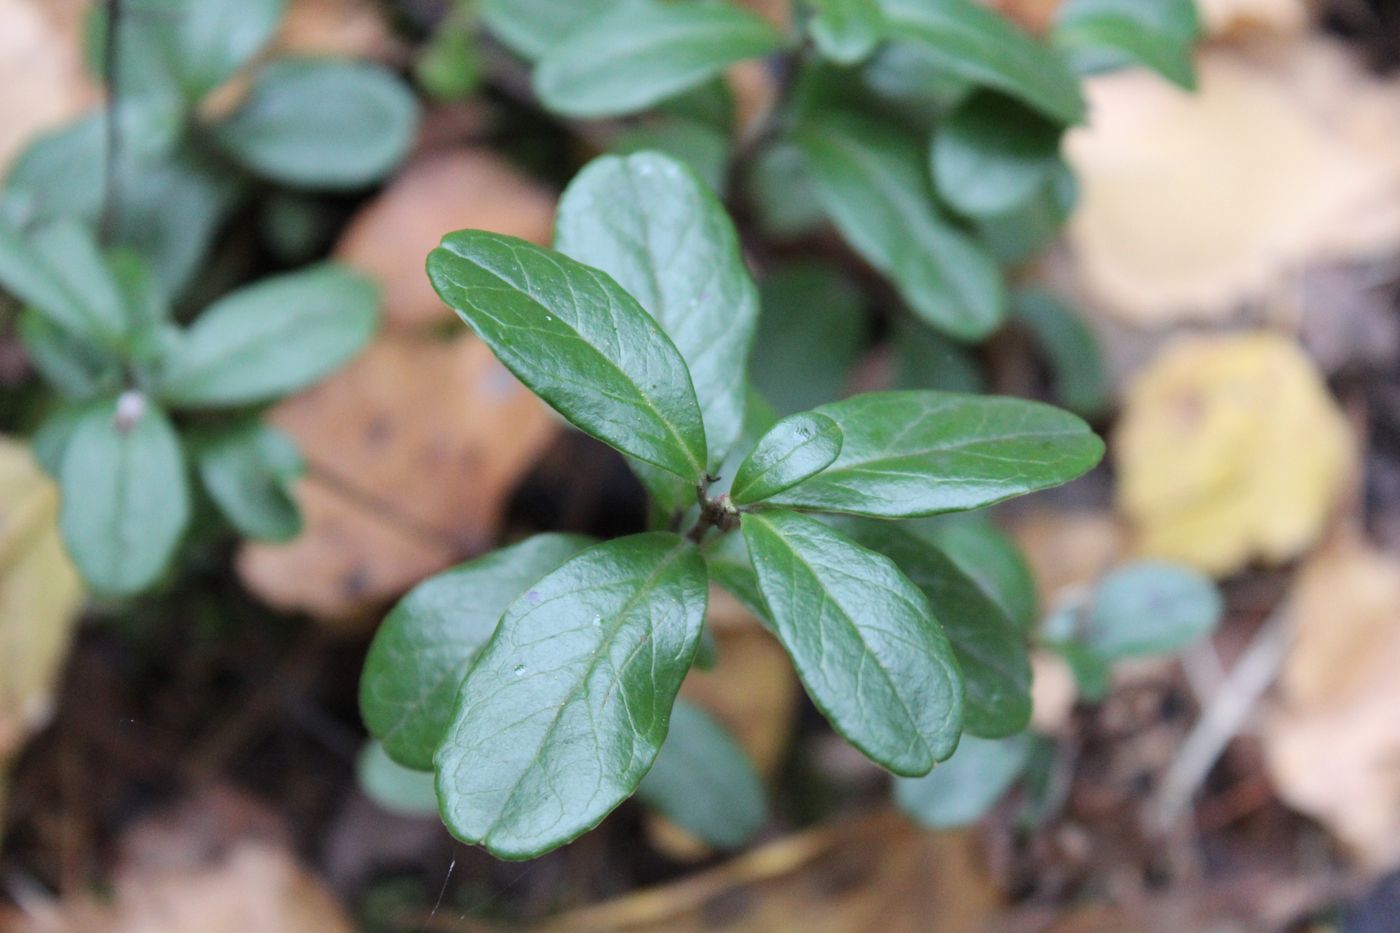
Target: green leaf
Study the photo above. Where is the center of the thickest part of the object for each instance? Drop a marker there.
(532, 27)
(77, 368)
(925, 359)
(651, 224)
(51, 438)
(797, 447)
(1019, 234)
(249, 471)
(592, 352)
(1081, 379)
(640, 52)
(992, 155)
(206, 41)
(125, 500)
(702, 146)
(703, 782)
(727, 559)
(425, 646)
(59, 271)
(399, 790)
(983, 46)
(863, 640)
(565, 709)
(870, 178)
(915, 453)
(276, 336)
(321, 124)
(1103, 34)
(1148, 608)
(993, 561)
(991, 651)
(810, 335)
(846, 31)
(1091, 672)
(784, 198)
(451, 67)
(963, 788)
(171, 210)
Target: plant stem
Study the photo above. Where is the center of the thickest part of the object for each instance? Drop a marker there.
(107, 223)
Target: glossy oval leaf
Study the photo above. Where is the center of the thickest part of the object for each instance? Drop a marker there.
(703, 782)
(992, 155)
(249, 471)
(913, 453)
(862, 639)
(962, 789)
(1151, 607)
(425, 646)
(321, 124)
(651, 224)
(796, 448)
(991, 559)
(565, 709)
(990, 649)
(276, 336)
(592, 352)
(846, 31)
(641, 52)
(872, 182)
(125, 498)
(983, 46)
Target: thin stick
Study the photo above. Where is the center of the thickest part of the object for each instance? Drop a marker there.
(1228, 713)
(107, 223)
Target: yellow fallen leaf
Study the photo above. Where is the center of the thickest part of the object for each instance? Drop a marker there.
(1230, 449)
(1333, 746)
(40, 595)
(389, 238)
(1193, 204)
(412, 451)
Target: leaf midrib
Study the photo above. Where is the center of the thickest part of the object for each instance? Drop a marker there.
(572, 696)
(646, 399)
(826, 595)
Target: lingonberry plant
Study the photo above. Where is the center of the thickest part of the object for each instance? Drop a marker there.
(103, 225)
(540, 682)
(574, 650)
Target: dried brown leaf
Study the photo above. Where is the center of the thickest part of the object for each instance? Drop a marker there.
(463, 188)
(879, 873)
(1333, 746)
(412, 451)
